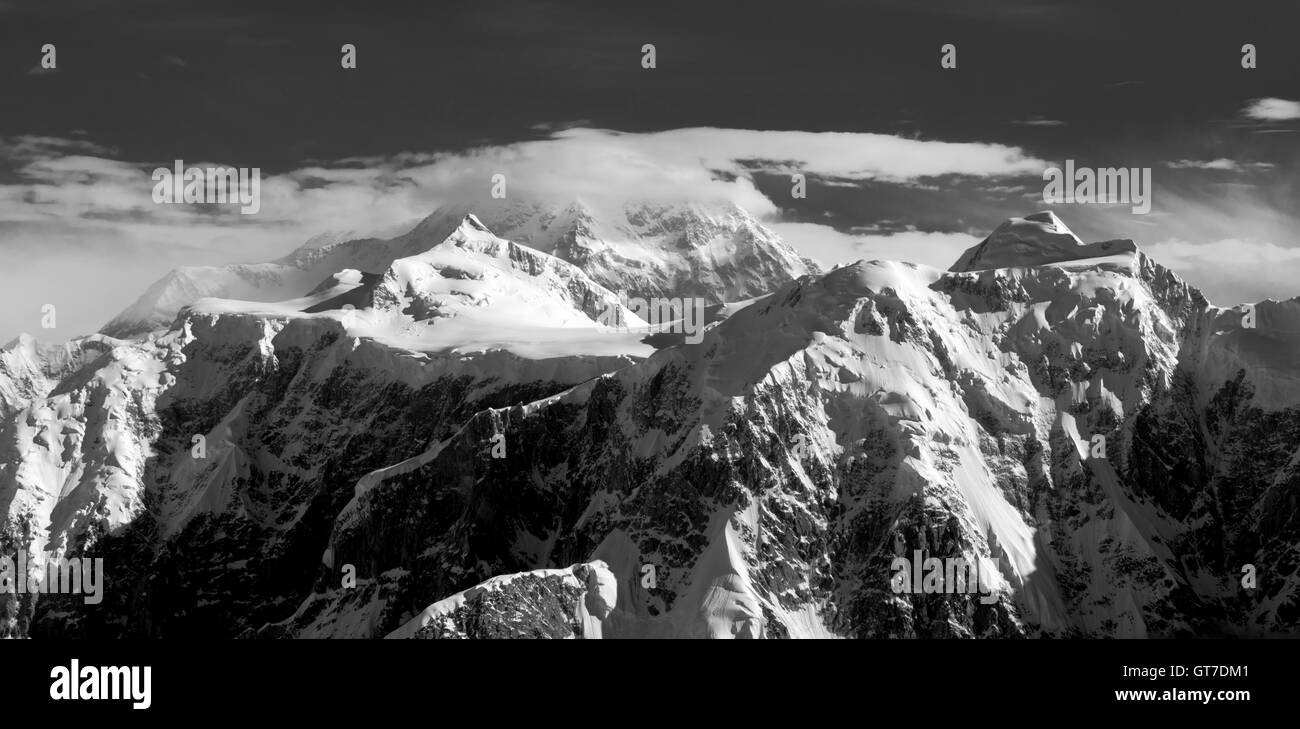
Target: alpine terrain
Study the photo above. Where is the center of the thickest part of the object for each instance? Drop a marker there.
(440, 434)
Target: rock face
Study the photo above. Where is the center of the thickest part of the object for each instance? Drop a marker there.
(207, 465)
(1112, 452)
(539, 604)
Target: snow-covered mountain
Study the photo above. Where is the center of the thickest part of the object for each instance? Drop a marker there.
(466, 451)
(1035, 240)
(30, 368)
(548, 603)
(290, 277)
(858, 416)
(242, 430)
(720, 253)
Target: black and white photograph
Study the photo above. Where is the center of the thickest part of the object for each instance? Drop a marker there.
(893, 323)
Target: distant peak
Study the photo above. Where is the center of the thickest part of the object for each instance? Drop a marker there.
(1041, 227)
(471, 222)
(1046, 216)
(1034, 240)
(22, 340)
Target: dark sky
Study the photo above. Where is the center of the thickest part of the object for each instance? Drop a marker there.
(260, 83)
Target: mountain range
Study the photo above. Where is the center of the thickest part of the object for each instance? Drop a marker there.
(437, 434)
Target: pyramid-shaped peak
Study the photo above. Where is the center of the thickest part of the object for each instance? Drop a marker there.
(1033, 240)
(471, 235)
(470, 231)
(471, 222)
(1041, 227)
(1048, 219)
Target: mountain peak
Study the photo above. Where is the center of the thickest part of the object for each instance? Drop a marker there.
(22, 341)
(471, 222)
(1048, 218)
(716, 252)
(1034, 240)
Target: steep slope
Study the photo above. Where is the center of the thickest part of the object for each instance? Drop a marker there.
(1111, 451)
(568, 603)
(30, 368)
(1220, 453)
(770, 474)
(208, 463)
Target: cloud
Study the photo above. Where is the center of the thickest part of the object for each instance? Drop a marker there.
(707, 164)
(548, 126)
(1040, 122)
(74, 178)
(32, 147)
(1222, 163)
(844, 155)
(829, 246)
(1272, 110)
(1232, 271)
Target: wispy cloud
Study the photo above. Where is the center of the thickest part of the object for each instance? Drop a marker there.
(830, 247)
(1222, 163)
(1272, 110)
(30, 147)
(703, 164)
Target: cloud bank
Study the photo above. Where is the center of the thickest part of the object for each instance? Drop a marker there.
(1272, 110)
